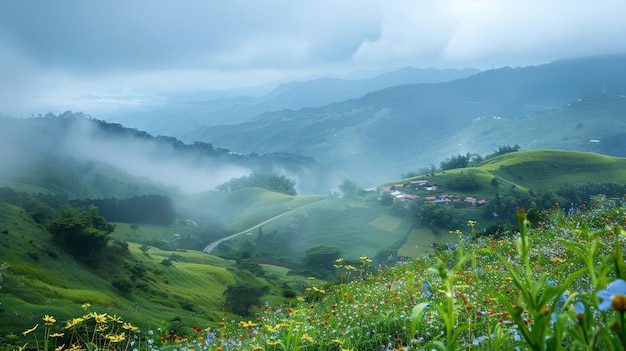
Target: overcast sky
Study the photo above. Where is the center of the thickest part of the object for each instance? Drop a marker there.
(55, 54)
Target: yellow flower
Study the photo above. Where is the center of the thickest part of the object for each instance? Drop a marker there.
(48, 320)
(73, 322)
(100, 318)
(340, 342)
(115, 318)
(248, 324)
(272, 342)
(364, 258)
(129, 326)
(75, 347)
(256, 347)
(30, 330)
(557, 260)
(350, 268)
(116, 338)
(337, 266)
(350, 349)
(307, 337)
(86, 305)
(56, 335)
(339, 260)
(59, 348)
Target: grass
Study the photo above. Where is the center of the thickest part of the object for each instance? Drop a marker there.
(190, 289)
(482, 295)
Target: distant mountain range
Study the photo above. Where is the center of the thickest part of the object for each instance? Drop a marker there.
(404, 127)
(183, 113)
(570, 104)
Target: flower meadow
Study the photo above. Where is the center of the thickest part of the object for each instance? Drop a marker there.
(558, 284)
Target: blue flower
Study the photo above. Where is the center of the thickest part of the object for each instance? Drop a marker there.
(579, 307)
(614, 296)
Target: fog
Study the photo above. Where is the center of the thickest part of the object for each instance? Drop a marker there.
(81, 140)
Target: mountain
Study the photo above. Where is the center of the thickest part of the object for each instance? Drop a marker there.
(183, 113)
(29, 148)
(401, 128)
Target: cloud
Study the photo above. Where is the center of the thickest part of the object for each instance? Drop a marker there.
(53, 52)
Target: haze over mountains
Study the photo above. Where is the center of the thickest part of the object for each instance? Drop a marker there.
(325, 130)
(384, 133)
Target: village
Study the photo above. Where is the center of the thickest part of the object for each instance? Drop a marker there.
(399, 192)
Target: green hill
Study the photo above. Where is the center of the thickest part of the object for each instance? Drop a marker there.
(165, 288)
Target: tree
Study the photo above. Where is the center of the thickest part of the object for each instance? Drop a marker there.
(81, 233)
(134, 227)
(243, 295)
(320, 259)
(348, 188)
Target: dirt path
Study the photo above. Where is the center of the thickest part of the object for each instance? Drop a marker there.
(214, 244)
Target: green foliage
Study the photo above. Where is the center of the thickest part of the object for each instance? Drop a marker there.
(146, 209)
(503, 149)
(241, 296)
(348, 188)
(320, 259)
(459, 161)
(270, 182)
(433, 214)
(83, 234)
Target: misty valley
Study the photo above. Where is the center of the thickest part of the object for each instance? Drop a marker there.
(412, 210)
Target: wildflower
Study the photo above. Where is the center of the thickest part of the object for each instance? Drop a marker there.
(614, 296)
(340, 342)
(307, 337)
(48, 320)
(86, 305)
(59, 348)
(99, 318)
(248, 324)
(115, 318)
(56, 335)
(579, 310)
(557, 260)
(339, 260)
(272, 342)
(129, 326)
(116, 338)
(30, 330)
(73, 322)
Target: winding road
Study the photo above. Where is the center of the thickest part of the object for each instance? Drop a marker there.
(214, 244)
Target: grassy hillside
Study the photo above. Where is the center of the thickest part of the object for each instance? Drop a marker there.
(42, 279)
(537, 170)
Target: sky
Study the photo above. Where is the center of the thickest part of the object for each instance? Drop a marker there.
(92, 55)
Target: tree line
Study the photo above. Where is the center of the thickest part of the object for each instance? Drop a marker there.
(144, 209)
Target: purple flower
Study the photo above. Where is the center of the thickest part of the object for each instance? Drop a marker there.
(614, 296)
